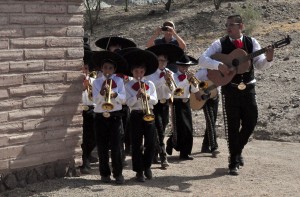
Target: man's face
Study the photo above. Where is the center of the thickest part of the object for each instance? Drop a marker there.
(138, 73)
(163, 61)
(108, 69)
(233, 29)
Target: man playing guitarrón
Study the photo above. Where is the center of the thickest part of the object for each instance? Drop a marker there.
(238, 96)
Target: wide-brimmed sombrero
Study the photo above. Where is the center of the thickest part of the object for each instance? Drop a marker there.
(172, 51)
(136, 56)
(105, 42)
(99, 57)
(87, 59)
(187, 60)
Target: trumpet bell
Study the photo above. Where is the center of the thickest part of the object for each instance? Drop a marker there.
(178, 92)
(149, 117)
(107, 106)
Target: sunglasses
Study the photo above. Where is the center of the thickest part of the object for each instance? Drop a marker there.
(231, 24)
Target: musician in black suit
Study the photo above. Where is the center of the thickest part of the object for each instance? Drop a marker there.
(116, 44)
(165, 53)
(210, 110)
(141, 97)
(238, 96)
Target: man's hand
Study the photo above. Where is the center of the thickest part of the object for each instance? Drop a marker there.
(270, 53)
(224, 69)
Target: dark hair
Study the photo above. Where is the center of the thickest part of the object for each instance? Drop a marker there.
(237, 18)
(108, 61)
(141, 65)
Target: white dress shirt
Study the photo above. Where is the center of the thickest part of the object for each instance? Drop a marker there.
(162, 90)
(99, 99)
(259, 62)
(85, 98)
(135, 103)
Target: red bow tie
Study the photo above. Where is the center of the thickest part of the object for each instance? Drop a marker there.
(122, 76)
(136, 86)
(238, 43)
(162, 74)
(181, 77)
(113, 83)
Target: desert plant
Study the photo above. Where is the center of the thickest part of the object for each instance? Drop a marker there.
(92, 8)
(251, 17)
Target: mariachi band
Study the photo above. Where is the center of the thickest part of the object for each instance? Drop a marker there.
(132, 96)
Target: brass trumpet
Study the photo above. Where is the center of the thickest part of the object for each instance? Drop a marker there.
(145, 105)
(196, 82)
(172, 85)
(108, 104)
(89, 89)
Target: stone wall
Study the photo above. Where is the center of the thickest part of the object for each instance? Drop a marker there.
(41, 50)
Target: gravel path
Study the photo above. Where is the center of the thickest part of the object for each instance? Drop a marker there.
(271, 169)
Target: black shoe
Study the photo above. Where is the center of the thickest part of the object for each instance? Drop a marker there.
(205, 149)
(84, 170)
(169, 148)
(165, 163)
(215, 152)
(155, 159)
(93, 159)
(234, 171)
(186, 157)
(148, 173)
(105, 179)
(241, 160)
(140, 177)
(120, 180)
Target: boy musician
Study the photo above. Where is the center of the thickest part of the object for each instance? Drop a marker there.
(165, 53)
(115, 44)
(210, 109)
(182, 137)
(88, 134)
(109, 95)
(140, 98)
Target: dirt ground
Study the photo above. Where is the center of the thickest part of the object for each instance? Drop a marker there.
(272, 158)
(271, 169)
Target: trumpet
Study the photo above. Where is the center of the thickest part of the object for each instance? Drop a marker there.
(108, 104)
(170, 82)
(196, 82)
(89, 88)
(145, 105)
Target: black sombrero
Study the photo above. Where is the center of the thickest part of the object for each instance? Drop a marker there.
(136, 56)
(172, 51)
(186, 60)
(99, 57)
(105, 42)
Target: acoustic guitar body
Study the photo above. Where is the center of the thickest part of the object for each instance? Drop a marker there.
(211, 88)
(236, 61)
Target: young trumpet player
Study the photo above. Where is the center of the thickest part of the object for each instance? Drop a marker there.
(165, 53)
(108, 96)
(140, 98)
(88, 134)
(182, 137)
(210, 110)
(116, 44)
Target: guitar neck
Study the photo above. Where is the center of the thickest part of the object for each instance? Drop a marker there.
(256, 53)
